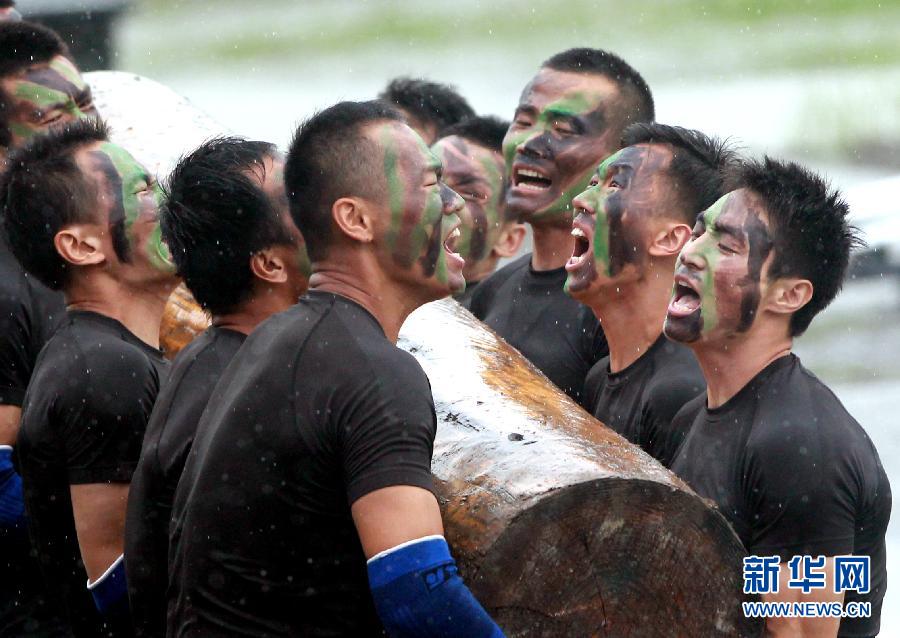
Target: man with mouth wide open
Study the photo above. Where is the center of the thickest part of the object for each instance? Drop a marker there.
(306, 504)
(629, 228)
(793, 472)
(569, 119)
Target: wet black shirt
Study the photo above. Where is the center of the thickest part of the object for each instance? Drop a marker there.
(316, 410)
(83, 421)
(640, 401)
(170, 433)
(532, 312)
(793, 472)
(29, 312)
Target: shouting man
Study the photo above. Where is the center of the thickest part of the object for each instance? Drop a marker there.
(39, 86)
(314, 454)
(471, 153)
(630, 226)
(227, 224)
(81, 215)
(795, 474)
(569, 119)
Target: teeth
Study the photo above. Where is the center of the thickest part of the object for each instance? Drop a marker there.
(455, 233)
(532, 187)
(577, 232)
(527, 173)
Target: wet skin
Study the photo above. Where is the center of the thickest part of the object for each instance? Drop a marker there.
(420, 233)
(720, 270)
(44, 95)
(628, 189)
(132, 199)
(476, 173)
(565, 125)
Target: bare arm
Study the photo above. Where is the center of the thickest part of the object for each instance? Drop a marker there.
(9, 424)
(393, 515)
(803, 627)
(99, 510)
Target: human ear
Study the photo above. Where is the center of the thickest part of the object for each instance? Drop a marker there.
(787, 296)
(669, 241)
(80, 245)
(354, 219)
(268, 266)
(510, 240)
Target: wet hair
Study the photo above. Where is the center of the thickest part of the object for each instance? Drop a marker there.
(428, 102)
(639, 100)
(330, 157)
(808, 225)
(486, 131)
(215, 216)
(23, 44)
(42, 191)
(699, 163)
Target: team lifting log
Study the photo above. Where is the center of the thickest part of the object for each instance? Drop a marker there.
(560, 526)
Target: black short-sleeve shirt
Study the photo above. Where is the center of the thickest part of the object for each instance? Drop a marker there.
(316, 410)
(532, 312)
(170, 433)
(83, 422)
(29, 312)
(640, 401)
(794, 473)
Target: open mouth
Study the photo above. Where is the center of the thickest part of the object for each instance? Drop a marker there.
(529, 179)
(685, 301)
(451, 241)
(582, 243)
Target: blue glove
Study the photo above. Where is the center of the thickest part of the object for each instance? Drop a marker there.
(12, 504)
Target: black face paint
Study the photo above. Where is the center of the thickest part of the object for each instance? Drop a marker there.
(430, 259)
(759, 245)
(102, 164)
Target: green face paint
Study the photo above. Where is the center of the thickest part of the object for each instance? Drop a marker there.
(133, 214)
(560, 133)
(417, 201)
(46, 95)
(476, 173)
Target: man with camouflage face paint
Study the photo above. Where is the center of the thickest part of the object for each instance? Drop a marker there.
(629, 228)
(793, 472)
(473, 167)
(82, 217)
(570, 118)
(332, 527)
(39, 86)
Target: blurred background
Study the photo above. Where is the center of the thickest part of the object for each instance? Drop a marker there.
(816, 81)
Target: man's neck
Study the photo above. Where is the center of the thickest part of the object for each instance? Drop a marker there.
(139, 310)
(482, 269)
(729, 367)
(632, 316)
(250, 314)
(553, 245)
(387, 302)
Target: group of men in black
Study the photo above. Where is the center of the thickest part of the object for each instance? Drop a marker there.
(275, 478)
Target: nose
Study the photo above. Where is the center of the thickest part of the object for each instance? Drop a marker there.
(690, 256)
(582, 202)
(537, 144)
(451, 200)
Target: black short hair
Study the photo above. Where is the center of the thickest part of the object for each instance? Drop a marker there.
(639, 100)
(43, 190)
(6, 4)
(486, 131)
(330, 157)
(428, 102)
(23, 44)
(699, 164)
(808, 223)
(215, 216)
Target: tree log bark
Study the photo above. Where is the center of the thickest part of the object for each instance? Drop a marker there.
(560, 526)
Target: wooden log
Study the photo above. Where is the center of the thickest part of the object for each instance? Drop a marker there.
(560, 526)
